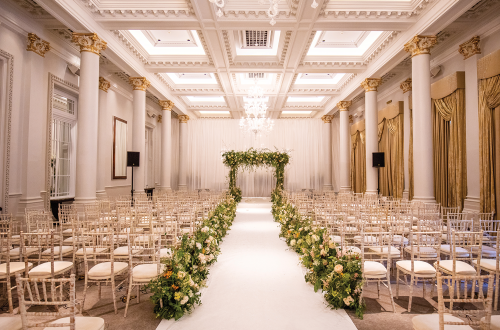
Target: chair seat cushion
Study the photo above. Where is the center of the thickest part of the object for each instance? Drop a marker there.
(398, 240)
(335, 239)
(373, 268)
(102, 271)
(43, 270)
(29, 251)
(384, 250)
(146, 272)
(165, 253)
(459, 251)
(15, 267)
(488, 264)
(419, 267)
(462, 268)
(425, 251)
(431, 322)
(90, 251)
(487, 251)
(123, 251)
(495, 322)
(11, 322)
(367, 238)
(352, 250)
(81, 323)
(66, 249)
(136, 230)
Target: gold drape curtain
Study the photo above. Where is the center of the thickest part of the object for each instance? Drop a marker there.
(358, 162)
(489, 123)
(450, 162)
(390, 142)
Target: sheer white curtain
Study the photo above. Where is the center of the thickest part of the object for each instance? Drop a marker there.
(208, 137)
(336, 152)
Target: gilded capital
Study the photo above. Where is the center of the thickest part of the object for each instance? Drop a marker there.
(37, 45)
(183, 119)
(344, 105)
(104, 84)
(350, 119)
(166, 104)
(327, 119)
(139, 83)
(406, 85)
(419, 45)
(371, 84)
(160, 117)
(89, 42)
(470, 47)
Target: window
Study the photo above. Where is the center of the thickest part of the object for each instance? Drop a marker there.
(62, 162)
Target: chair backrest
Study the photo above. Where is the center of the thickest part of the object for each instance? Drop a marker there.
(33, 244)
(51, 293)
(482, 300)
(472, 241)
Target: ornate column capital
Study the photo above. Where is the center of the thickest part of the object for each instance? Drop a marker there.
(470, 47)
(183, 119)
(419, 45)
(350, 119)
(371, 84)
(104, 84)
(166, 105)
(160, 117)
(89, 42)
(406, 85)
(344, 105)
(37, 45)
(327, 119)
(139, 83)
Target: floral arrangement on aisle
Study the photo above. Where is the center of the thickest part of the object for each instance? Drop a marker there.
(177, 290)
(254, 158)
(337, 274)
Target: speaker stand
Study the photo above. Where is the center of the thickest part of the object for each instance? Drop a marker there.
(132, 191)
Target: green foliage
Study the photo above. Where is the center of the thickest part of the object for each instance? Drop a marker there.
(186, 271)
(254, 158)
(336, 273)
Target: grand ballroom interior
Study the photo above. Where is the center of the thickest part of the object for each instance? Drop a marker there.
(249, 164)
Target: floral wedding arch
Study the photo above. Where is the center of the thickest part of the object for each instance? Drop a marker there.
(254, 158)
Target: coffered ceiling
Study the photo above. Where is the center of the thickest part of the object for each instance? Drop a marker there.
(307, 62)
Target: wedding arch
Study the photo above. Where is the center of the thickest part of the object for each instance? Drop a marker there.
(254, 158)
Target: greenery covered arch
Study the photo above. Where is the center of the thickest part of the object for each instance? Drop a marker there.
(255, 158)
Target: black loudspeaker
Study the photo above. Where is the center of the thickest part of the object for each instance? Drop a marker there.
(133, 158)
(378, 159)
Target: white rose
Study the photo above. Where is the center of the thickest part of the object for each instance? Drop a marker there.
(204, 229)
(186, 299)
(292, 243)
(338, 269)
(198, 246)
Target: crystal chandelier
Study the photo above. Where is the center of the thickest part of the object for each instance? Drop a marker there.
(272, 12)
(255, 110)
(219, 4)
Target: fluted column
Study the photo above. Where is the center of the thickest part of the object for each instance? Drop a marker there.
(86, 151)
(471, 50)
(371, 132)
(166, 143)
(423, 167)
(406, 87)
(140, 85)
(105, 137)
(183, 119)
(345, 146)
(327, 137)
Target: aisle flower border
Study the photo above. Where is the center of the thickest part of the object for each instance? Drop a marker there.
(338, 275)
(254, 158)
(177, 290)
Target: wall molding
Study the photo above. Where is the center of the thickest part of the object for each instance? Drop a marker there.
(9, 58)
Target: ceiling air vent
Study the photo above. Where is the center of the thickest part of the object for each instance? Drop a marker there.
(257, 39)
(256, 75)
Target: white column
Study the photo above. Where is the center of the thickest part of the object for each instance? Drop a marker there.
(105, 137)
(183, 152)
(140, 85)
(423, 166)
(86, 150)
(406, 87)
(470, 50)
(166, 143)
(327, 138)
(371, 132)
(34, 128)
(345, 146)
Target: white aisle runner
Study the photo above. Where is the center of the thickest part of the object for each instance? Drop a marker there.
(258, 284)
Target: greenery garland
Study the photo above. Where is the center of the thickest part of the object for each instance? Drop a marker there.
(337, 274)
(177, 290)
(254, 158)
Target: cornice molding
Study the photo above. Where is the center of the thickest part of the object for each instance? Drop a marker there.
(286, 43)
(129, 45)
